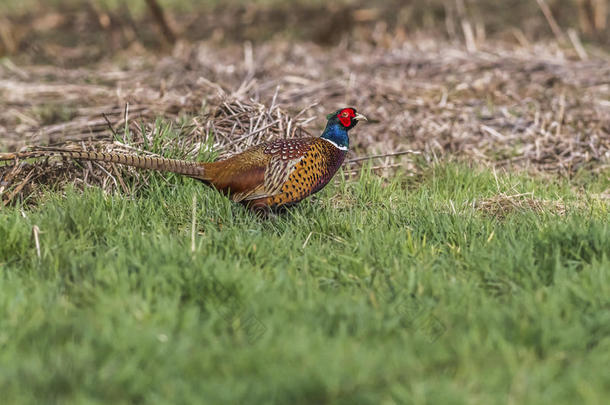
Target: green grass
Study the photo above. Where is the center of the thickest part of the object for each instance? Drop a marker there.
(374, 292)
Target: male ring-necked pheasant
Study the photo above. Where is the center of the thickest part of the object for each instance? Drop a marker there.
(270, 175)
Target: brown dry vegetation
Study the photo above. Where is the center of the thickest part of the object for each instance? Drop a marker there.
(542, 105)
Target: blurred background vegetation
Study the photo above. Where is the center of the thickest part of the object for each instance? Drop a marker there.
(39, 28)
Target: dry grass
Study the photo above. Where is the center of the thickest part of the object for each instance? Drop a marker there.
(536, 106)
(501, 205)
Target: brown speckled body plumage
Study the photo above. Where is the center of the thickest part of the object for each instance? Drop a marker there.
(271, 175)
(276, 173)
(299, 169)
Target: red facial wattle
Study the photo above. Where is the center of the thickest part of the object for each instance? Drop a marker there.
(345, 117)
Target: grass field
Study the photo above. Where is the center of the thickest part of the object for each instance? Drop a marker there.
(461, 256)
(456, 286)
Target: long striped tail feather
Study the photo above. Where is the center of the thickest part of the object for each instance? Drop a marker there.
(192, 169)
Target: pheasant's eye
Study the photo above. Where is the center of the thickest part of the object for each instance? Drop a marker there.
(344, 114)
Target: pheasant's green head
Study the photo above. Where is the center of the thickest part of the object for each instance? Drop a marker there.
(338, 124)
(345, 117)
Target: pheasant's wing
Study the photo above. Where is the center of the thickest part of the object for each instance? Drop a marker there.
(306, 175)
(286, 154)
(260, 171)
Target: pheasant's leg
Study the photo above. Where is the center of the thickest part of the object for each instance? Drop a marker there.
(261, 210)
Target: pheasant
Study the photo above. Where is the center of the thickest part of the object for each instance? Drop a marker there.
(268, 176)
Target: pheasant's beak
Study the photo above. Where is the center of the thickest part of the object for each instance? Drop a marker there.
(360, 117)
